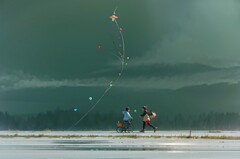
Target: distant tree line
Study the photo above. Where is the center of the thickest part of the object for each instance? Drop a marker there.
(64, 119)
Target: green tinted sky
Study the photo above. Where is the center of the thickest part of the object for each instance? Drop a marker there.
(184, 55)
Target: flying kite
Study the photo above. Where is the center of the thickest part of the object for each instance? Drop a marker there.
(121, 57)
(113, 17)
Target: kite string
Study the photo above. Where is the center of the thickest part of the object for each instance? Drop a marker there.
(76, 123)
(123, 42)
(122, 59)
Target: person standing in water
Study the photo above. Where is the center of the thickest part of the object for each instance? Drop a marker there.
(146, 119)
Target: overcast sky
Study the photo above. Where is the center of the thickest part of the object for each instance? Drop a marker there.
(184, 56)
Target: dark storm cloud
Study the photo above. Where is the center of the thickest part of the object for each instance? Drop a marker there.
(23, 81)
(53, 38)
(203, 32)
(193, 33)
(176, 81)
(175, 48)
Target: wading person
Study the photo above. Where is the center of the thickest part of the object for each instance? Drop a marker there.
(146, 119)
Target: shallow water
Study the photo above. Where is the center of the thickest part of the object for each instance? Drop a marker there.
(118, 155)
(116, 148)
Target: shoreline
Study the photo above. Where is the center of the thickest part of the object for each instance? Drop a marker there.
(183, 134)
(122, 136)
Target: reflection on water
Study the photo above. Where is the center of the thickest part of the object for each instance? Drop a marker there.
(103, 145)
(83, 145)
(81, 142)
(118, 144)
(116, 148)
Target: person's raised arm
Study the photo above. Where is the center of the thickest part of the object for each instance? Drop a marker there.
(129, 116)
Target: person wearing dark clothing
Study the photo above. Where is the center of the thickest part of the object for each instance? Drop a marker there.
(146, 119)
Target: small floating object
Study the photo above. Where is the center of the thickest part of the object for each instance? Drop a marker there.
(120, 30)
(99, 46)
(90, 98)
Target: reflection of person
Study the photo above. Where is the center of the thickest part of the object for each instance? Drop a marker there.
(146, 119)
(127, 116)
